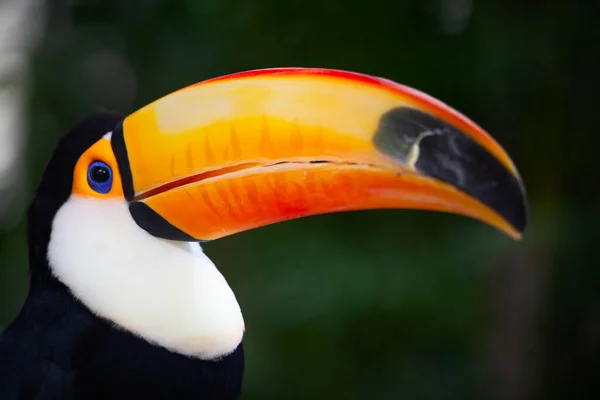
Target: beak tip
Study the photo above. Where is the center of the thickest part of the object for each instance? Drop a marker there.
(518, 216)
(523, 220)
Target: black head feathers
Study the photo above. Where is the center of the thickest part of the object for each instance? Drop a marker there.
(56, 183)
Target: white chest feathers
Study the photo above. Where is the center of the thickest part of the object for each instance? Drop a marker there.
(169, 293)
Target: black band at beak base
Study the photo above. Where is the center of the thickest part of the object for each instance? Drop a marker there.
(120, 151)
(154, 224)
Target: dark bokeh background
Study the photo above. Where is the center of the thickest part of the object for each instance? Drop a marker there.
(374, 304)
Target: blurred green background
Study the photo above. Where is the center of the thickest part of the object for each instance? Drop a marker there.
(372, 304)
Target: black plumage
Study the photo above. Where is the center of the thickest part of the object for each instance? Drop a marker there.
(57, 349)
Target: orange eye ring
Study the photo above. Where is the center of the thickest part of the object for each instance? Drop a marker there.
(97, 174)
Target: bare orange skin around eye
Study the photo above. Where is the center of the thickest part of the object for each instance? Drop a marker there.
(100, 151)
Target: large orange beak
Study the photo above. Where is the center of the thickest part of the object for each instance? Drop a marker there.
(254, 148)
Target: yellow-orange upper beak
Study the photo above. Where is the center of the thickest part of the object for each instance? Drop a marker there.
(254, 148)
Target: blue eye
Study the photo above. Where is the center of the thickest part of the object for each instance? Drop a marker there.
(100, 177)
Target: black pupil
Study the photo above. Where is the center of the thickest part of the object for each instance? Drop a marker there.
(100, 174)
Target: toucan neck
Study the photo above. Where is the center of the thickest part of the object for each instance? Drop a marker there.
(169, 293)
(39, 225)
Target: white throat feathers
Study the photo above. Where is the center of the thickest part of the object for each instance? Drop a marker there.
(168, 293)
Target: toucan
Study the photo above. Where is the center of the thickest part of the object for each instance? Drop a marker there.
(124, 304)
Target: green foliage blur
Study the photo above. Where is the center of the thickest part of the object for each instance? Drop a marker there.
(373, 304)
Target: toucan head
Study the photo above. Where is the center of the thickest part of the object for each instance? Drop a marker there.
(240, 152)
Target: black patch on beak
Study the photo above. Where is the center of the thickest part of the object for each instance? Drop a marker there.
(449, 155)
